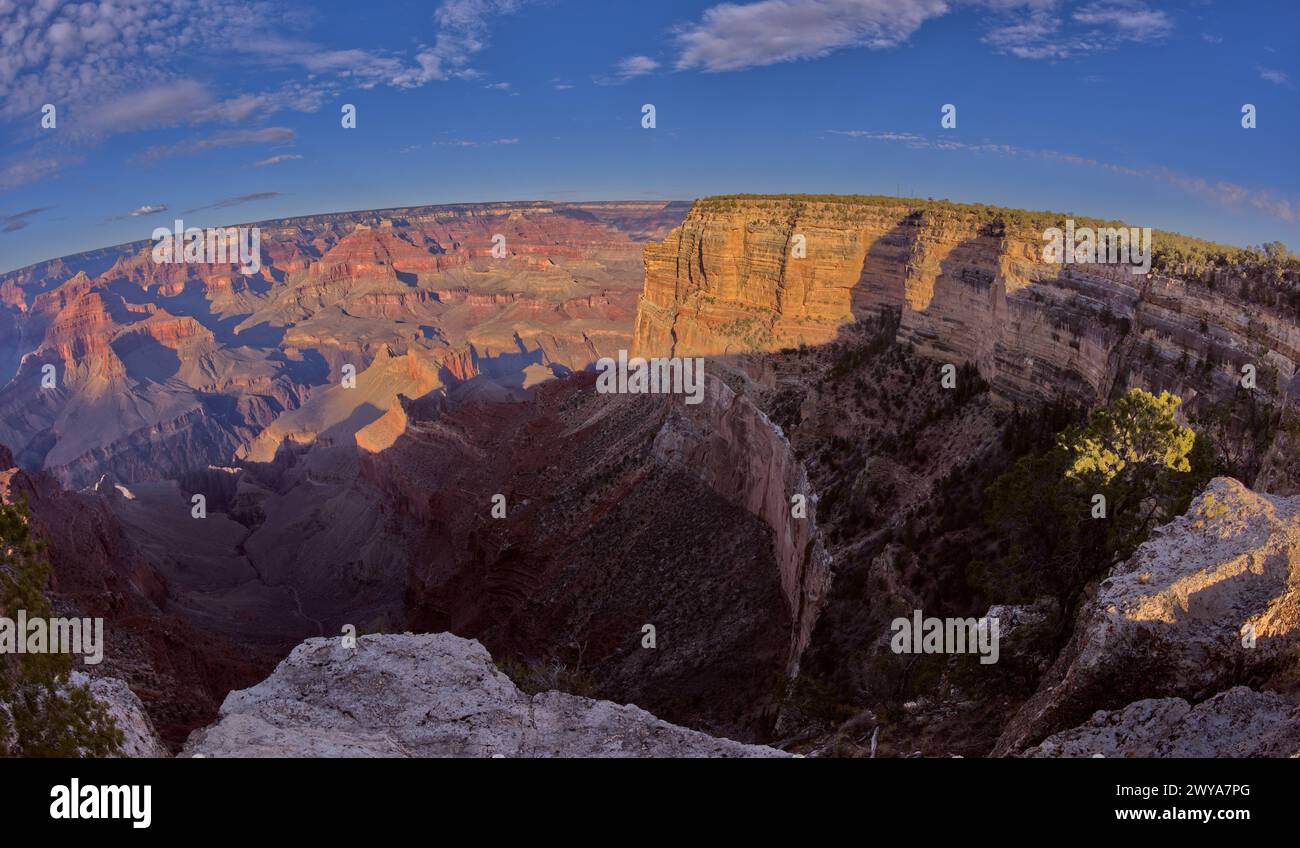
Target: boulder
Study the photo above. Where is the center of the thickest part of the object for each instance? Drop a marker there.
(1237, 723)
(430, 695)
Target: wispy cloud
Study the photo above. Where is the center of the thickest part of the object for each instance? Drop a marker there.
(141, 212)
(238, 200)
(227, 138)
(1043, 30)
(27, 171)
(276, 160)
(635, 66)
(113, 67)
(156, 106)
(1221, 192)
(466, 142)
(20, 220)
(1274, 76)
(463, 31)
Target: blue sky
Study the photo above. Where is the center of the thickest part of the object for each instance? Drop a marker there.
(224, 111)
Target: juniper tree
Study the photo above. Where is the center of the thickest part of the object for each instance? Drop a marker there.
(41, 713)
(1135, 455)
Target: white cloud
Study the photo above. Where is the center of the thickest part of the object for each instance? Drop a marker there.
(227, 138)
(735, 36)
(1126, 19)
(1274, 76)
(463, 27)
(85, 54)
(731, 37)
(276, 160)
(465, 142)
(28, 171)
(635, 66)
(1044, 30)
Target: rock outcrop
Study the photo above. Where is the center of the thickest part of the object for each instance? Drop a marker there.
(139, 738)
(430, 695)
(1237, 723)
(1210, 600)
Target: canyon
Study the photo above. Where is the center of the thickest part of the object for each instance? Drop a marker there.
(353, 412)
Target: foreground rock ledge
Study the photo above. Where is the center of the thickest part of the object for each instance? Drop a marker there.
(1210, 600)
(1238, 723)
(430, 695)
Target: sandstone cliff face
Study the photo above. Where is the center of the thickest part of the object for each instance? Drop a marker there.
(430, 695)
(1211, 600)
(726, 281)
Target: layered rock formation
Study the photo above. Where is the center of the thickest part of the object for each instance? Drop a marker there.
(430, 695)
(966, 288)
(374, 504)
(161, 369)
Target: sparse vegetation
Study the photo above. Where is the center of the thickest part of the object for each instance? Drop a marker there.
(1135, 455)
(41, 713)
(533, 678)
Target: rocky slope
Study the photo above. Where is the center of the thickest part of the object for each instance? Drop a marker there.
(842, 349)
(430, 695)
(178, 670)
(733, 448)
(1237, 723)
(1210, 601)
(589, 548)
